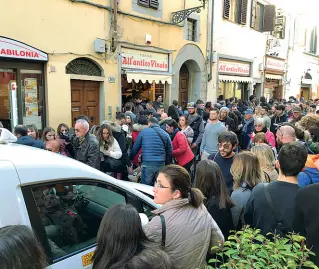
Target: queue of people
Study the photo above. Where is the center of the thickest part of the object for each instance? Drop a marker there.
(214, 168)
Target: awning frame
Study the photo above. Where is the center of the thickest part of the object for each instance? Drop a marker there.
(150, 77)
(235, 79)
(273, 76)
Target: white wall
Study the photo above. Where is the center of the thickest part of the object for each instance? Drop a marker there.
(235, 40)
(298, 61)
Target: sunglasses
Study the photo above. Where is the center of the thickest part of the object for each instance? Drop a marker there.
(258, 125)
(225, 146)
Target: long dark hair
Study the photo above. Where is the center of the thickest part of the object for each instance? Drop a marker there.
(181, 180)
(60, 127)
(100, 134)
(19, 248)
(45, 131)
(35, 129)
(119, 238)
(209, 179)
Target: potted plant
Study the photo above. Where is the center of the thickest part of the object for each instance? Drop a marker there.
(249, 249)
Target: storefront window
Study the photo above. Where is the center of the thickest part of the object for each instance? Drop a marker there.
(31, 103)
(231, 89)
(147, 90)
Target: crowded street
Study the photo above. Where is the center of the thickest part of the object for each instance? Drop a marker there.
(156, 134)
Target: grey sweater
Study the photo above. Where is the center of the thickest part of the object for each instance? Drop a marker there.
(210, 137)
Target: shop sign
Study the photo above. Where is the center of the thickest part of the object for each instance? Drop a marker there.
(275, 64)
(237, 68)
(10, 48)
(144, 60)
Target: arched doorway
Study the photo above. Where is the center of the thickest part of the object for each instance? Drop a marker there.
(85, 93)
(183, 86)
(190, 78)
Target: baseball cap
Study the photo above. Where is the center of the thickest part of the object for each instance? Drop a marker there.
(249, 111)
(296, 109)
(191, 105)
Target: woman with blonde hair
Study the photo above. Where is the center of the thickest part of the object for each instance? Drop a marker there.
(247, 174)
(267, 161)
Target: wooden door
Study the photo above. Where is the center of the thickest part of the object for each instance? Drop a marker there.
(85, 100)
(183, 86)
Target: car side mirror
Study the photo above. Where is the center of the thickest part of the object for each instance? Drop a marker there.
(144, 219)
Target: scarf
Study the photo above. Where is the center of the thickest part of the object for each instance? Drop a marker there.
(264, 130)
(247, 122)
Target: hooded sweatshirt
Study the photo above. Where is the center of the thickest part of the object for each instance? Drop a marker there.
(310, 174)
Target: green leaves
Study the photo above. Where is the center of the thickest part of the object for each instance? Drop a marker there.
(249, 249)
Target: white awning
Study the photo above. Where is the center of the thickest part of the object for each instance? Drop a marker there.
(272, 76)
(157, 78)
(235, 79)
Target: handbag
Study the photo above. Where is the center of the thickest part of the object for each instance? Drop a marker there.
(168, 157)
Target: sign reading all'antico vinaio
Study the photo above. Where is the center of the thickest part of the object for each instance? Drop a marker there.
(10, 48)
(144, 60)
(234, 68)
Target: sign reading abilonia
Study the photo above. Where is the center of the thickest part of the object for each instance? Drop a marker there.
(10, 48)
(235, 68)
(138, 59)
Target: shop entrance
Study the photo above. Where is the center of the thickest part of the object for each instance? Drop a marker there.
(183, 86)
(305, 93)
(85, 100)
(21, 94)
(6, 77)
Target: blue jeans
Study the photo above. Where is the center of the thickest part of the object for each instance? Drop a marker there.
(148, 173)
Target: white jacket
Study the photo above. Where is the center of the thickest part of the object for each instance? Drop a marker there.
(114, 150)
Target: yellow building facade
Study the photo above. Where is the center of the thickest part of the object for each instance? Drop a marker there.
(53, 66)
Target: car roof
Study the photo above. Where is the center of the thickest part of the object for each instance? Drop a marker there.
(35, 165)
(140, 187)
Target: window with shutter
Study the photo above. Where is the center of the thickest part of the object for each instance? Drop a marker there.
(154, 4)
(253, 14)
(144, 3)
(313, 41)
(226, 9)
(269, 18)
(243, 13)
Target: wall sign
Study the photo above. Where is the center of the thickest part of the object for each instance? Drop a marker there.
(144, 60)
(275, 64)
(235, 68)
(10, 48)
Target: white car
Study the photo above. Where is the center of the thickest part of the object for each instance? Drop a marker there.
(63, 200)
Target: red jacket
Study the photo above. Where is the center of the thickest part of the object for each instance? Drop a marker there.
(181, 150)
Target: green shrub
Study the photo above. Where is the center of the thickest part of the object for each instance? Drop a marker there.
(249, 249)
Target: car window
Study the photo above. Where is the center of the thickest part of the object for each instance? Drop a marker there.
(71, 213)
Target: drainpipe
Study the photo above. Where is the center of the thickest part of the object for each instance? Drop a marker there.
(114, 35)
(210, 75)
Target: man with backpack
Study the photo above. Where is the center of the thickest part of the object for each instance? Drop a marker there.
(270, 207)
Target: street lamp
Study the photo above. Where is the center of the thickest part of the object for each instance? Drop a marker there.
(180, 15)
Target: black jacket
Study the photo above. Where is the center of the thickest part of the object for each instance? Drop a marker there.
(306, 217)
(223, 217)
(120, 137)
(197, 124)
(173, 113)
(88, 151)
(229, 124)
